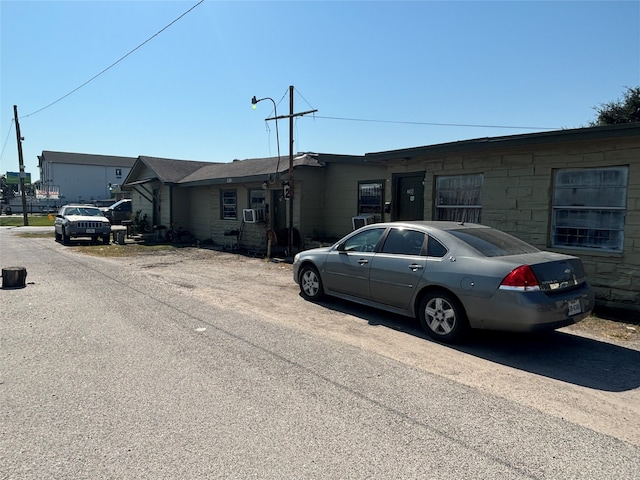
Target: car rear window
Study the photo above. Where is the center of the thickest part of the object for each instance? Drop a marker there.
(492, 243)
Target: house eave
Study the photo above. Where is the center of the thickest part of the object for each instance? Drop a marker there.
(531, 139)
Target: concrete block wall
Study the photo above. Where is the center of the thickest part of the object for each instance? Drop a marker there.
(517, 198)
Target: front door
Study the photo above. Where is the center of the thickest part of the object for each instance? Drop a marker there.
(278, 210)
(409, 196)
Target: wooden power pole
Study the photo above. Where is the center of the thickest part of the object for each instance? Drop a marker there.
(291, 116)
(21, 163)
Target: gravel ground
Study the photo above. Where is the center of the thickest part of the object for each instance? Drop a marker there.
(622, 328)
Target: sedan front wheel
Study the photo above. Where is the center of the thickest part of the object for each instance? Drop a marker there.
(311, 284)
(442, 317)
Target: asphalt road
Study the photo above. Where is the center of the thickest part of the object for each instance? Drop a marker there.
(198, 364)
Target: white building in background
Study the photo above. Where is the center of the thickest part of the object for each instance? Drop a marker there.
(81, 177)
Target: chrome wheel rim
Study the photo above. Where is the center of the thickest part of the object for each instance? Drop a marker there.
(310, 283)
(440, 315)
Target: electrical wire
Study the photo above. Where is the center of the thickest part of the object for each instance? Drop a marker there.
(425, 123)
(7, 139)
(435, 124)
(114, 63)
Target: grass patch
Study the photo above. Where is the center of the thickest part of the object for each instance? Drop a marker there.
(35, 235)
(112, 250)
(115, 250)
(34, 220)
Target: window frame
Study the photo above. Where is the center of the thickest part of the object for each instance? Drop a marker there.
(227, 206)
(250, 198)
(401, 241)
(464, 211)
(357, 240)
(604, 236)
(369, 208)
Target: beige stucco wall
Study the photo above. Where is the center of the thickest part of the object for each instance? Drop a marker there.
(517, 198)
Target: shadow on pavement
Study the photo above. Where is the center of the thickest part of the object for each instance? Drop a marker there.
(562, 356)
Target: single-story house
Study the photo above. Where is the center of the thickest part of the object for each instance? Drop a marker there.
(575, 191)
(249, 201)
(572, 191)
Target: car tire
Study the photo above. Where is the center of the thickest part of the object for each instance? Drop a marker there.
(58, 236)
(442, 317)
(311, 284)
(66, 239)
(106, 240)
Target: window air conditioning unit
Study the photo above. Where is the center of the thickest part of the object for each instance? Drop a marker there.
(253, 215)
(360, 221)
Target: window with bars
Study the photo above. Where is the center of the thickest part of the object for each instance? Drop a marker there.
(589, 206)
(459, 198)
(370, 198)
(229, 205)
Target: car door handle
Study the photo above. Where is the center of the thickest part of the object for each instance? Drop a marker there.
(414, 266)
(363, 261)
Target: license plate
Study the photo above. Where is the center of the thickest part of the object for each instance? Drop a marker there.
(91, 230)
(574, 307)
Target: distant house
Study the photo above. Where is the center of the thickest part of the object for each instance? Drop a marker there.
(253, 197)
(80, 177)
(153, 186)
(573, 191)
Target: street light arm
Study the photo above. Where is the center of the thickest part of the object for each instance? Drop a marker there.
(254, 102)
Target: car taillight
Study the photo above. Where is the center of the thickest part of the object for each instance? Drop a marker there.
(522, 279)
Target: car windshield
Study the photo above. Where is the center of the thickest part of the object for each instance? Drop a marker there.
(493, 243)
(88, 211)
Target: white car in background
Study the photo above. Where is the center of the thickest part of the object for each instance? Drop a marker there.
(86, 221)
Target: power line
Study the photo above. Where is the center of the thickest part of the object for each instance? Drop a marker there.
(6, 139)
(435, 124)
(425, 123)
(114, 63)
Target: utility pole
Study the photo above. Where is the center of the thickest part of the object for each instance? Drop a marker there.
(21, 163)
(290, 180)
(291, 171)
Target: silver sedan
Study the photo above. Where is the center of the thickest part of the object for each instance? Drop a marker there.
(452, 276)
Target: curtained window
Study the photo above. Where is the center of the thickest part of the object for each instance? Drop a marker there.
(458, 198)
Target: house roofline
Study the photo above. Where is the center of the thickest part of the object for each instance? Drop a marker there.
(488, 143)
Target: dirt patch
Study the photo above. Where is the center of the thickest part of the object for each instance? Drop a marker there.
(195, 269)
(609, 328)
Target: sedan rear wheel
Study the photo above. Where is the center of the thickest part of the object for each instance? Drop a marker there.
(442, 317)
(311, 284)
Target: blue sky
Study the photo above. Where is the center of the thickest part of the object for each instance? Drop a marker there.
(383, 75)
